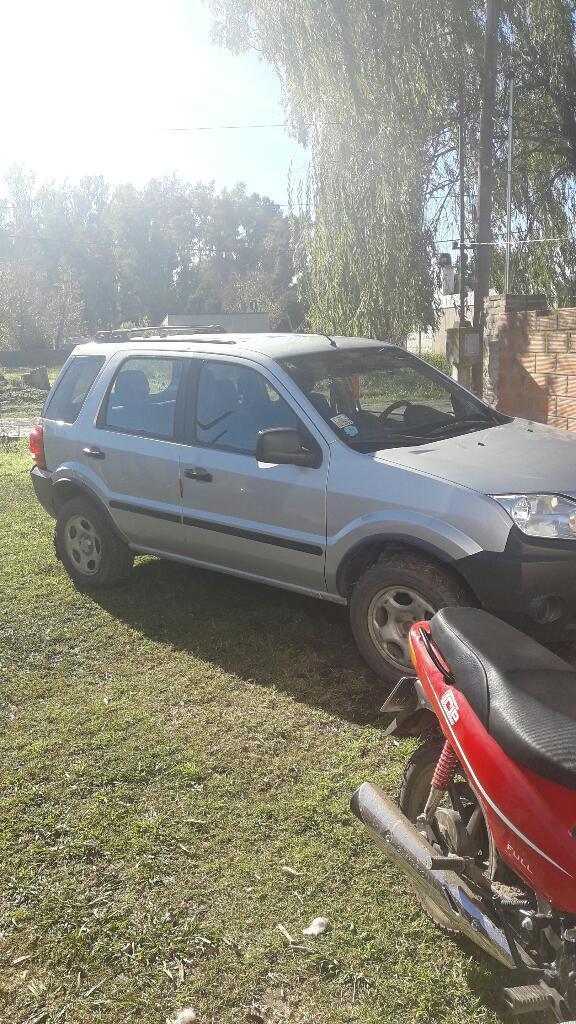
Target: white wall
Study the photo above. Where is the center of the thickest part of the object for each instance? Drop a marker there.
(243, 323)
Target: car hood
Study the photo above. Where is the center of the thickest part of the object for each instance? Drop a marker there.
(514, 458)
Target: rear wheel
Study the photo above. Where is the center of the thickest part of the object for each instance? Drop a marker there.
(91, 552)
(401, 588)
(462, 830)
(417, 777)
(458, 826)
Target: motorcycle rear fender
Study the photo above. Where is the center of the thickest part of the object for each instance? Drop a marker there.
(413, 711)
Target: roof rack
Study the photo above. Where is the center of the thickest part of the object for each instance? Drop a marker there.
(160, 333)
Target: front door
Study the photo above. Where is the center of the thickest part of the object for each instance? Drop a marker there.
(264, 520)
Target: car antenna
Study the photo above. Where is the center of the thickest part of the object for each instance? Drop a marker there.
(331, 340)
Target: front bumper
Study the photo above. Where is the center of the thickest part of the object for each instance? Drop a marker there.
(531, 584)
(44, 489)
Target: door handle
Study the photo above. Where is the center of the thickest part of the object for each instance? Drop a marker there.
(197, 473)
(94, 453)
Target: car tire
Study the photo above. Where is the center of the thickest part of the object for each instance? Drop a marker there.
(400, 588)
(90, 550)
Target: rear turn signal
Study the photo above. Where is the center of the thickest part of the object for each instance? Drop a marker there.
(36, 445)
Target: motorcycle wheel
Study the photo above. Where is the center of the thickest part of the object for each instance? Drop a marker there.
(414, 792)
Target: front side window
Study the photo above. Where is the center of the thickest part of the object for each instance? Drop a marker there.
(386, 398)
(142, 399)
(68, 397)
(234, 404)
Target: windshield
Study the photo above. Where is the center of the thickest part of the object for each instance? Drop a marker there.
(386, 398)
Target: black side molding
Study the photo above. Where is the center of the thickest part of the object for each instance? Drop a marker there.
(143, 510)
(233, 531)
(262, 538)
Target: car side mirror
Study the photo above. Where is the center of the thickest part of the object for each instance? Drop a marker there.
(283, 446)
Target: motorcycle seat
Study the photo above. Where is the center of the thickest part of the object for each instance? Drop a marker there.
(524, 695)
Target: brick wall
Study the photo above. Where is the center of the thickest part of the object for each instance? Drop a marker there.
(530, 363)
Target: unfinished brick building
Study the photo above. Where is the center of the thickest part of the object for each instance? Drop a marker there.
(530, 362)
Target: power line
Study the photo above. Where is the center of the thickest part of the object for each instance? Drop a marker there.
(222, 127)
(207, 250)
(267, 201)
(63, 241)
(515, 241)
(197, 250)
(247, 127)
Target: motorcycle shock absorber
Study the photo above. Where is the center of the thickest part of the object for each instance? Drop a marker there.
(445, 769)
(441, 780)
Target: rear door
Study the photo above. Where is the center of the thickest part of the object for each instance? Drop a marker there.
(264, 520)
(132, 447)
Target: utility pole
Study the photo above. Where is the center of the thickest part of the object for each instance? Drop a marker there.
(462, 170)
(509, 187)
(486, 154)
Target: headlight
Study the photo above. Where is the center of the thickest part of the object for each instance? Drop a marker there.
(541, 515)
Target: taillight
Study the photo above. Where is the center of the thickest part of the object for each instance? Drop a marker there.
(36, 445)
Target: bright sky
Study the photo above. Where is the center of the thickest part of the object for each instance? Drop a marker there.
(87, 87)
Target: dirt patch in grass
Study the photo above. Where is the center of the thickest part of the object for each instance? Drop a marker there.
(166, 750)
(17, 399)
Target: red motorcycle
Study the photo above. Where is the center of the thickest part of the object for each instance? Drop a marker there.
(486, 823)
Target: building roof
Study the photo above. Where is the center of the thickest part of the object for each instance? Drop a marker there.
(243, 322)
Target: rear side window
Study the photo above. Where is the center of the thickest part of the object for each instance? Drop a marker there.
(142, 399)
(67, 399)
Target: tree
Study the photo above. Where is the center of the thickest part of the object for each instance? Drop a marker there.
(84, 257)
(63, 314)
(22, 291)
(373, 90)
(539, 49)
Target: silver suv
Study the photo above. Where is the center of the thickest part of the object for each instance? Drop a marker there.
(340, 468)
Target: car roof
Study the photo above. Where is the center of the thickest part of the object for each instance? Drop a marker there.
(273, 346)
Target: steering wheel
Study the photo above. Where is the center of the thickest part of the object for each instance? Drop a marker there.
(390, 409)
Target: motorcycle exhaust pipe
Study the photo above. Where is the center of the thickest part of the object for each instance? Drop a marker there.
(405, 847)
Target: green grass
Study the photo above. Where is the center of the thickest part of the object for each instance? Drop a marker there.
(438, 360)
(167, 748)
(17, 399)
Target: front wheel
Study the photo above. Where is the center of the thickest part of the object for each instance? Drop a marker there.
(401, 588)
(91, 552)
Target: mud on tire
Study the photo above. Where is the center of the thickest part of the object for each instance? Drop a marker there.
(400, 588)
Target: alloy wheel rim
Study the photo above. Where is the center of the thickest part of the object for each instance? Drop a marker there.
(83, 545)
(391, 614)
